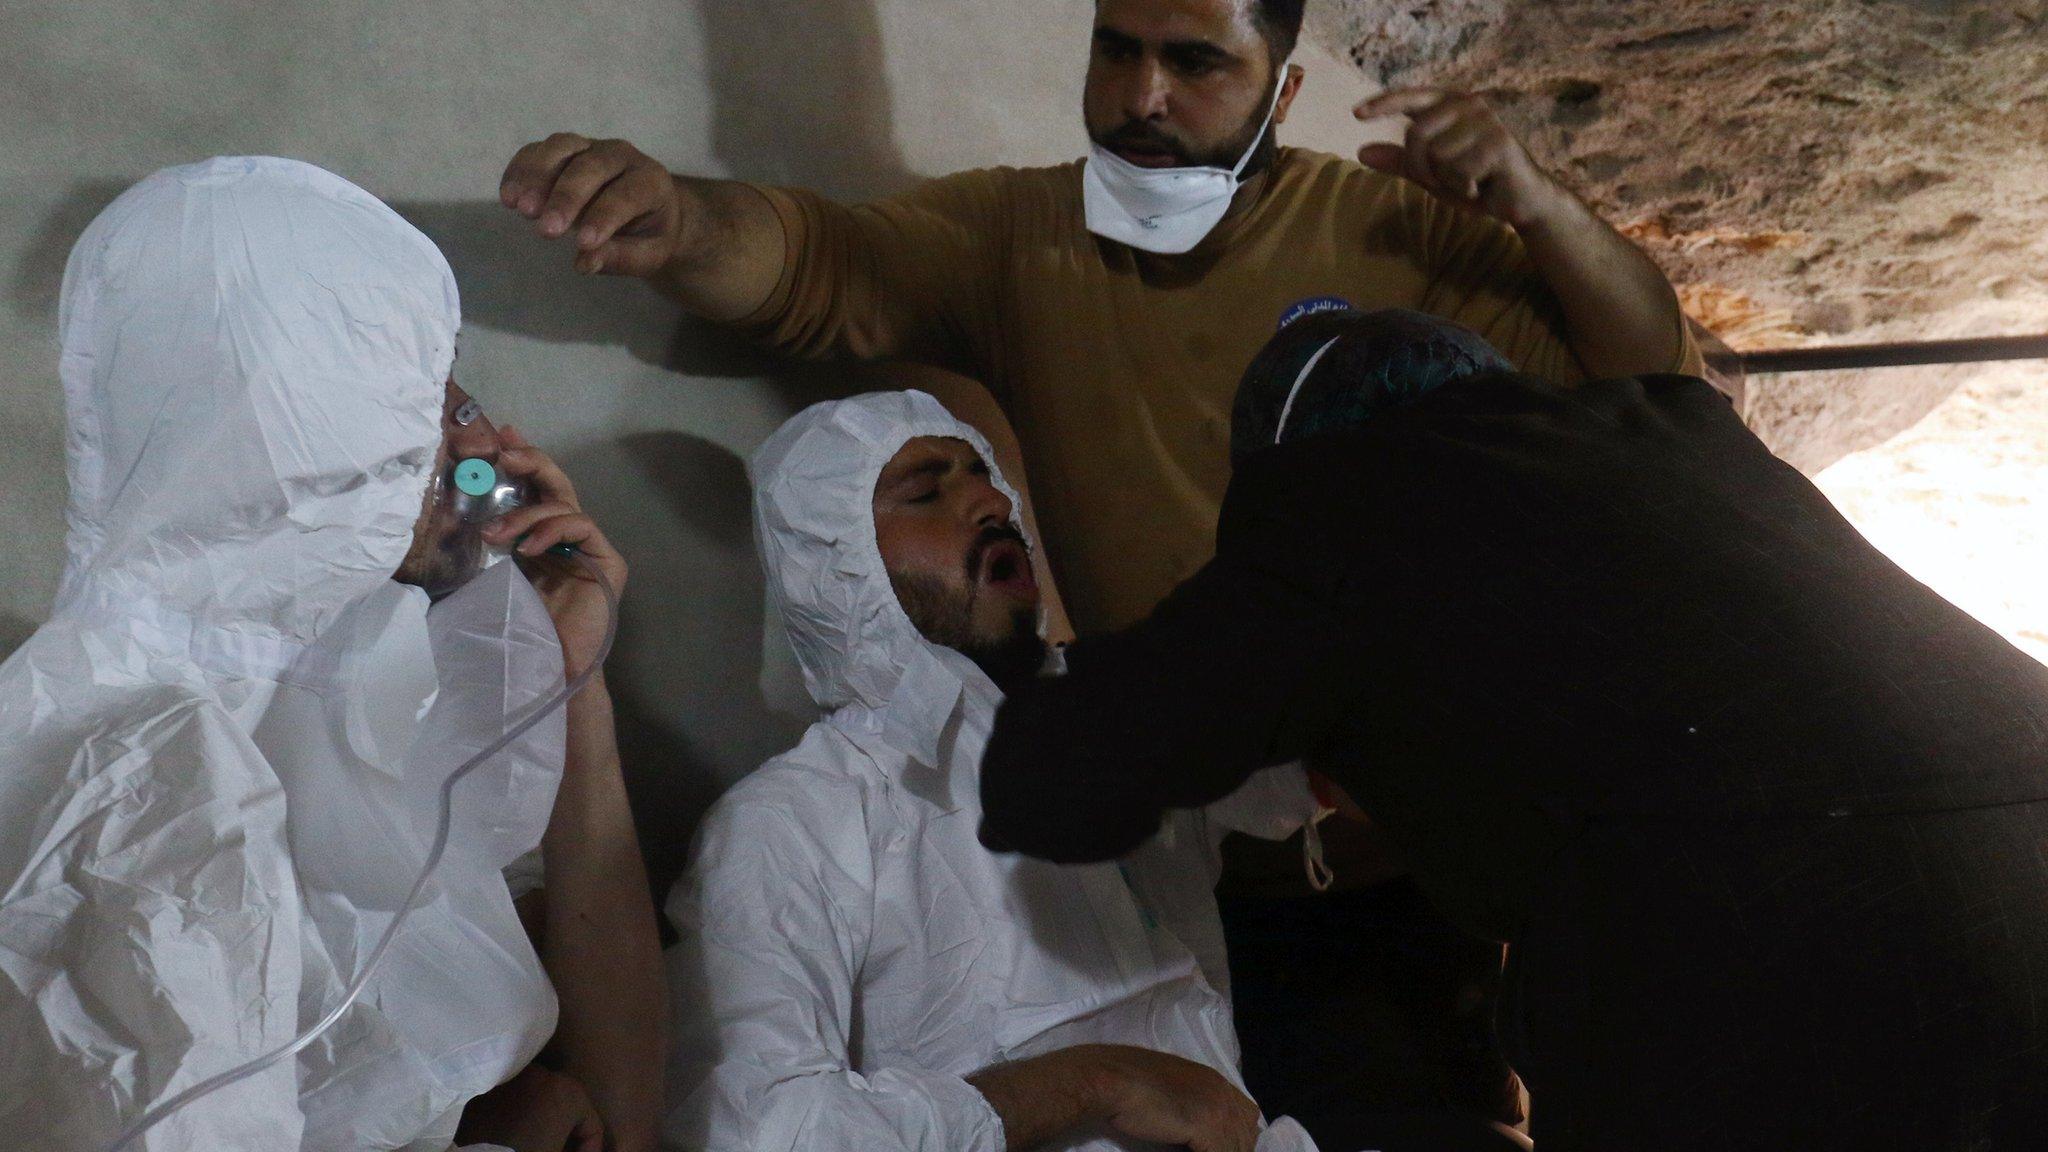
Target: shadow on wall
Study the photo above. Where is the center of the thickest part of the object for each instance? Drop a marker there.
(39, 277)
(14, 632)
(710, 658)
(514, 281)
(805, 100)
(510, 280)
(802, 95)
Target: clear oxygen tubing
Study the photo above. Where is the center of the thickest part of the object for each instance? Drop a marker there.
(160, 1112)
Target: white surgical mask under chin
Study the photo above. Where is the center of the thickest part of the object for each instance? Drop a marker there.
(1163, 210)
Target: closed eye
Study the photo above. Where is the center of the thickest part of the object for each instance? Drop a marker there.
(1117, 47)
(1195, 57)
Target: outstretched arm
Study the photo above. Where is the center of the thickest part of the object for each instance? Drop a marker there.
(909, 277)
(1229, 675)
(773, 919)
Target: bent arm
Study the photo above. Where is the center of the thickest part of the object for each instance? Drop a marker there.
(1561, 293)
(1228, 676)
(1043, 1097)
(897, 278)
(773, 923)
(1152, 1096)
(1621, 313)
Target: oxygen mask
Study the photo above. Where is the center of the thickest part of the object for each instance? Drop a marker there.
(466, 496)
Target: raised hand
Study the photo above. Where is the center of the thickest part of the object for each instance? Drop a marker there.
(623, 207)
(555, 516)
(1457, 148)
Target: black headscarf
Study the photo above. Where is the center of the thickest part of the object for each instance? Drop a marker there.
(1334, 369)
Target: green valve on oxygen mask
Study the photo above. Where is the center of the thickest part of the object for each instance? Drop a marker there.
(475, 477)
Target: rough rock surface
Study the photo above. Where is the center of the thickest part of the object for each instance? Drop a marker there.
(1809, 171)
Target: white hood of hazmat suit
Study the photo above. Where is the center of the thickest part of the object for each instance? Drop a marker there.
(848, 951)
(219, 759)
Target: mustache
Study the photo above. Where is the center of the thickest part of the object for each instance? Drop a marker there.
(1140, 136)
(991, 536)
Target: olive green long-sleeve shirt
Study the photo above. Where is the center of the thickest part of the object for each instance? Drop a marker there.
(1118, 368)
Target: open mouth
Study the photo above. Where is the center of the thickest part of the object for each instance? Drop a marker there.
(1145, 157)
(1006, 567)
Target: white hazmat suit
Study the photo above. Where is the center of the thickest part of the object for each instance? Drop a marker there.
(219, 759)
(848, 951)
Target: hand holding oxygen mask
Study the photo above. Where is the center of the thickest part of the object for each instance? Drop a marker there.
(548, 531)
(512, 500)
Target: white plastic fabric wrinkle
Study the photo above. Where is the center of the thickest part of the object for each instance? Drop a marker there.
(416, 1033)
(497, 631)
(203, 759)
(849, 953)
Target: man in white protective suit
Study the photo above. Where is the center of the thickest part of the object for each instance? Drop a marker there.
(221, 759)
(855, 972)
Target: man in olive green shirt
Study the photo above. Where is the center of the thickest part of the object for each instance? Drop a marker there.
(1116, 366)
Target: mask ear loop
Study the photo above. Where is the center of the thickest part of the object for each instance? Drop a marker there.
(1272, 106)
(1300, 379)
(160, 1112)
(1320, 877)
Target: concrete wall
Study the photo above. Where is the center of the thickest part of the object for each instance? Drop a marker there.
(422, 104)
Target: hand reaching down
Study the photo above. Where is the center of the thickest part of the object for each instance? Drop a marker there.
(535, 1111)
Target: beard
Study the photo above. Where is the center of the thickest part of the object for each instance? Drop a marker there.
(944, 615)
(1136, 134)
(427, 562)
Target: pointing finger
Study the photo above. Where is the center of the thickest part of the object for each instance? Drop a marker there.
(1399, 102)
(1438, 119)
